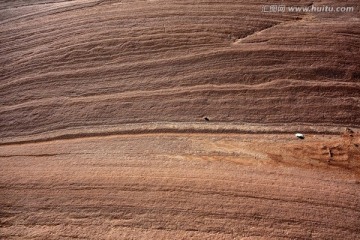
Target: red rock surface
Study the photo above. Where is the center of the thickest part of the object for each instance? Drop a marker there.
(102, 130)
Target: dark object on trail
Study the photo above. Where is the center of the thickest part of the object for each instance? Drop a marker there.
(206, 119)
(349, 130)
(331, 155)
(300, 135)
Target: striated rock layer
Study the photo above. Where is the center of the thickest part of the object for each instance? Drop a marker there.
(182, 186)
(162, 119)
(98, 63)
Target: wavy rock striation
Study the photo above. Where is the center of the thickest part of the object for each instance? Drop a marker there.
(161, 119)
(101, 63)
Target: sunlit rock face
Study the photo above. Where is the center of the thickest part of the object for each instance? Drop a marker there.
(177, 119)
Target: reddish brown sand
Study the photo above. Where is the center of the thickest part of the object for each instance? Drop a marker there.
(103, 132)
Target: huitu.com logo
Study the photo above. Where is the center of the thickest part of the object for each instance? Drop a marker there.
(273, 8)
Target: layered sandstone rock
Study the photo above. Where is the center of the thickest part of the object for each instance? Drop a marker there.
(102, 130)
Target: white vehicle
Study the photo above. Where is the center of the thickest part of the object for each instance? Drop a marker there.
(300, 135)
